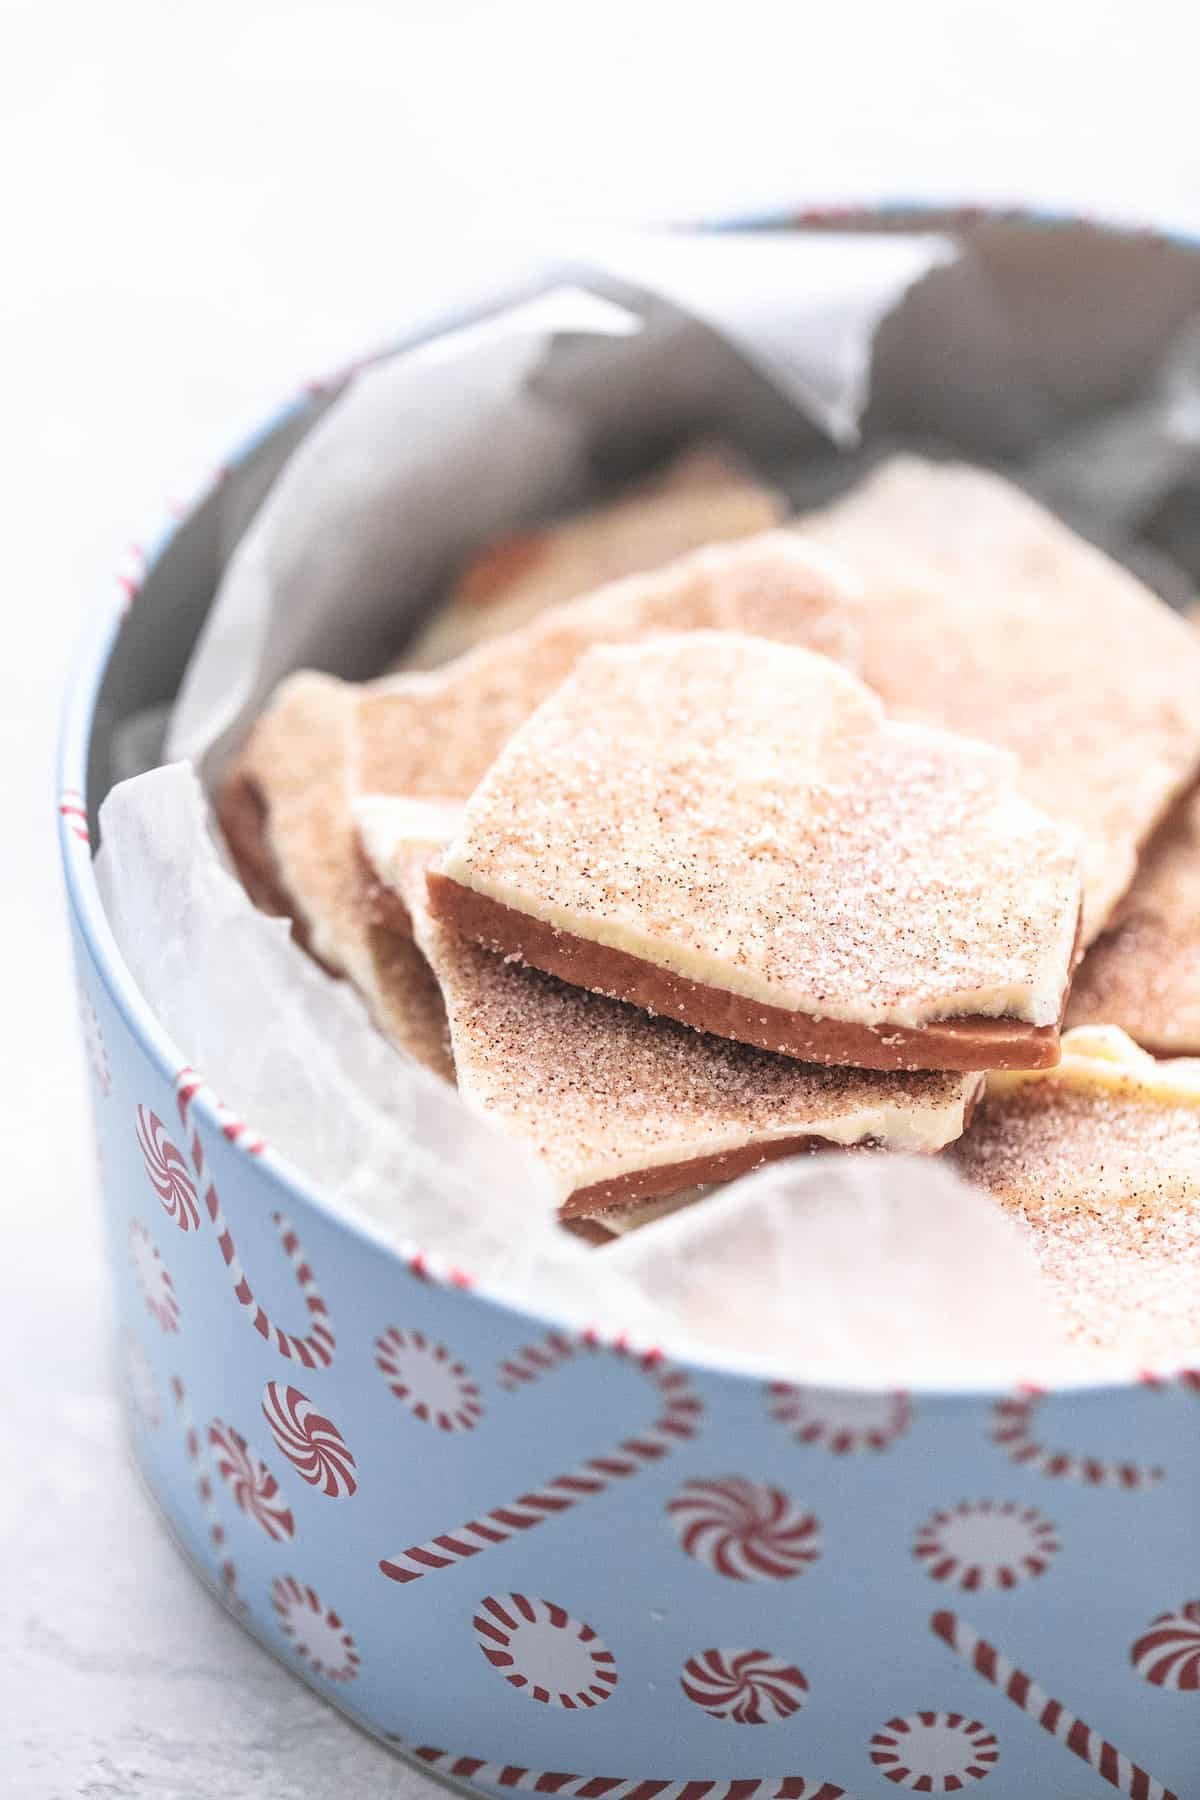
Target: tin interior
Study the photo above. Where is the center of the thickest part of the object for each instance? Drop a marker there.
(1088, 312)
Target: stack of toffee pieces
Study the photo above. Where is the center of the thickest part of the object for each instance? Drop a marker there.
(711, 837)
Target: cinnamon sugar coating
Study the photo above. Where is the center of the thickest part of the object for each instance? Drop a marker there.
(741, 814)
(984, 614)
(1143, 972)
(287, 801)
(703, 496)
(608, 1095)
(1100, 1160)
(436, 734)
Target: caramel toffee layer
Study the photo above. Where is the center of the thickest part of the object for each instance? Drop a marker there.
(285, 812)
(956, 1044)
(629, 1190)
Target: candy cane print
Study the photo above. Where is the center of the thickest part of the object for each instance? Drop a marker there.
(72, 809)
(194, 1445)
(314, 1350)
(1107, 1761)
(618, 1787)
(676, 1420)
(1012, 1430)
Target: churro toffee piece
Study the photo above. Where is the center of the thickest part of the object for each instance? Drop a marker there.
(285, 810)
(436, 733)
(706, 495)
(1143, 972)
(624, 1108)
(1100, 1159)
(730, 832)
(984, 614)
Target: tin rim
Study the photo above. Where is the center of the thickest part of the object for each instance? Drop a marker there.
(87, 668)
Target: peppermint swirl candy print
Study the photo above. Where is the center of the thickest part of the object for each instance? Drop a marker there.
(158, 1290)
(312, 1443)
(986, 1544)
(539, 1648)
(317, 1634)
(251, 1483)
(140, 1385)
(93, 1043)
(431, 1381)
(744, 1530)
(934, 1752)
(841, 1421)
(748, 1687)
(167, 1171)
(1168, 1653)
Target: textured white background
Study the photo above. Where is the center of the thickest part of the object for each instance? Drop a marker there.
(198, 203)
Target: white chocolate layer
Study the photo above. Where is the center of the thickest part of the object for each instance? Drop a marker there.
(603, 1090)
(741, 814)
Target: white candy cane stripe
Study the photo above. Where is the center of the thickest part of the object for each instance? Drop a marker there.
(316, 1348)
(158, 1290)
(187, 1085)
(677, 1420)
(512, 1776)
(313, 1350)
(839, 1420)
(748, 1687)
(1168, 1653)
(204, 1489)
(312, 1443)
(1012, 1430)
(318, 1636)
(1108, 1762)
(541, 1650)
(251, 1483)
(430, 1380)
(74, 813)
(534, 1361)
(166, 1171)
(986, 1544)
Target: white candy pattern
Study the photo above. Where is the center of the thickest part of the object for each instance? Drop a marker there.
(986, 1544)
(253, 1486)
(935, 1752)
(839, 1420)
(539, 1648)
(744, 1530)
(430, 1380)
(167, 1172)
(94, 1045)
(194, 1445)
(1168, 1653)
(317, 1634)
(312, 1443)
(140, 1384)
(748, 1687)
(1013, 1422)
(158, 1290)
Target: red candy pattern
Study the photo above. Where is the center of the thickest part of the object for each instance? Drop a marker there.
(748, 1687)
(743, 1530)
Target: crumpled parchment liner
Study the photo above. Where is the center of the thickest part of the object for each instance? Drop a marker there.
(773, 339)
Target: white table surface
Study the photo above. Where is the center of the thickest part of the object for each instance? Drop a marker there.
(197, 204)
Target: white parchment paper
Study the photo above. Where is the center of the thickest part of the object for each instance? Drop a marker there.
(780, 340)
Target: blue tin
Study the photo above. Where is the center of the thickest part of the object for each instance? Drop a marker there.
(537, 1561)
